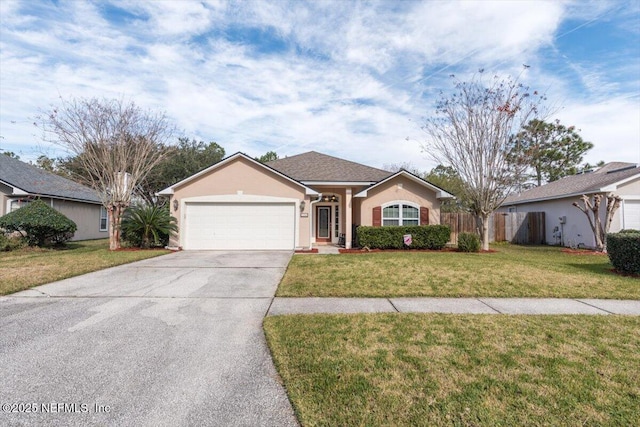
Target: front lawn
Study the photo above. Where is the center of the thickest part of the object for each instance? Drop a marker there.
(512, 271)
(466, 370)
(27, 267)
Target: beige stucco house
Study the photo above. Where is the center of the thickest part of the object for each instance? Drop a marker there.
(21, 183)
(295, 202)
(565, 224)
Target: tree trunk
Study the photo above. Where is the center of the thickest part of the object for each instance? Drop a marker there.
(592, 211)
(115, 216)
(613, 203)
(483, 222)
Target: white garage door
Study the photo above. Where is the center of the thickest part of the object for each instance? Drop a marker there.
(631, 213)
(240, 226)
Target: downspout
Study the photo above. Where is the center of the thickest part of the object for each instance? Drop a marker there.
(311, 218)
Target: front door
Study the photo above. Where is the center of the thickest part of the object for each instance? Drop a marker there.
(323, 224)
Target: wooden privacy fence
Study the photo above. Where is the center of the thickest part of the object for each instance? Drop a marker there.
(516, 227)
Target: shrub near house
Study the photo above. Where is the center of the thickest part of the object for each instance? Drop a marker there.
(422, 237)
(39, 224)
(468, 242)
(624, 251)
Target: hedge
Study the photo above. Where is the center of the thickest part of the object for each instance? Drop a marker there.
(423, 237)
(624, 251)
(39, 223)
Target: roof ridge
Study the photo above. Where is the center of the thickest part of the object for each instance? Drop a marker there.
(315, 166)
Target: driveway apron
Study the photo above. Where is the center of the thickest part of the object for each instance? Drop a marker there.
(170, 341)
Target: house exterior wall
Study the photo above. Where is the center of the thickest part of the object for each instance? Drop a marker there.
(631, 188)
(4, 191)
(628, 191)
(577, 229)
(242, 177)
(391, 191)
(85, 215)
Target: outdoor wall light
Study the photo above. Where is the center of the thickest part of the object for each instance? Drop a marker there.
(175, 205)
(302, 204)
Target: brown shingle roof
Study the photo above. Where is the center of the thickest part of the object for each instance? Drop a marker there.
(586, 183)
(313, 166)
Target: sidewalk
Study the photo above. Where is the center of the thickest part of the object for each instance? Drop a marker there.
(454, 305)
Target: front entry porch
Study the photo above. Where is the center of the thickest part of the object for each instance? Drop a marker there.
(331, 218)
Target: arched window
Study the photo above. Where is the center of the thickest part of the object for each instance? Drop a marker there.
(400, 213)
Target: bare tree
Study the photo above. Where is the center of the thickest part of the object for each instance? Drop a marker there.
(116, 144)
(471, 132)
(408, 166)
(591, 209)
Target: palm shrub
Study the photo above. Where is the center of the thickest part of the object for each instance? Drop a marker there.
(147, 225)
(39, 224)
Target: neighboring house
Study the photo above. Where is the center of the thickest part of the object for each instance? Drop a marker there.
(294, 202)
(565, 224)
(21, 183)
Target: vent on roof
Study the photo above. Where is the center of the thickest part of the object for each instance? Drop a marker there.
(623, 169)
(584, 171)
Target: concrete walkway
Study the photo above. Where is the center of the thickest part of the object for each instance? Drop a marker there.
(454, 305)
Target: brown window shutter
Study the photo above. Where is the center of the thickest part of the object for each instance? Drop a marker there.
(424, 216)
(377, 216)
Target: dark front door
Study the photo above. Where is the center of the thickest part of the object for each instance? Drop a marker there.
(323, 224)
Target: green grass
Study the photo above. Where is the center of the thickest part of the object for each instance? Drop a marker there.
(27, 267)
(459, 370)
(512, 271)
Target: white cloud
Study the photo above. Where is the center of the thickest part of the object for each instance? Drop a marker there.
(613, 126)
(354, 82)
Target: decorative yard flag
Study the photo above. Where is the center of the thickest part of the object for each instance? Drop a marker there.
(407, 239)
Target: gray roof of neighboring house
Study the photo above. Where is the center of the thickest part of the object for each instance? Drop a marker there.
(36, 181)
(313, 166)
(585, 183)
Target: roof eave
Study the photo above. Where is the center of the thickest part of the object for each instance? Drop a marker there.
(16, 191)
(606, 189)
(543, 199)
(345, 183)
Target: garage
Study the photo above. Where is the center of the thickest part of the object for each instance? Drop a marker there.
(239, 226)
(631, 214)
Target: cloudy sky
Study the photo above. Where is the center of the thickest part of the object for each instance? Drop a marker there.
(353, 79)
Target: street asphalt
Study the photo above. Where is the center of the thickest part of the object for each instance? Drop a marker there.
(171, 341)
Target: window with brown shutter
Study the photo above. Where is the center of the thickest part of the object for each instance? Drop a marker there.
(424, 216)
(377, 216)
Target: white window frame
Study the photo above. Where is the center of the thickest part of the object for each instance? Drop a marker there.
(104, 217)
(15, 204)
(400, 218)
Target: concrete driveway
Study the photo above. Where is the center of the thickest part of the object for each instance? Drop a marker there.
(174, 340)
